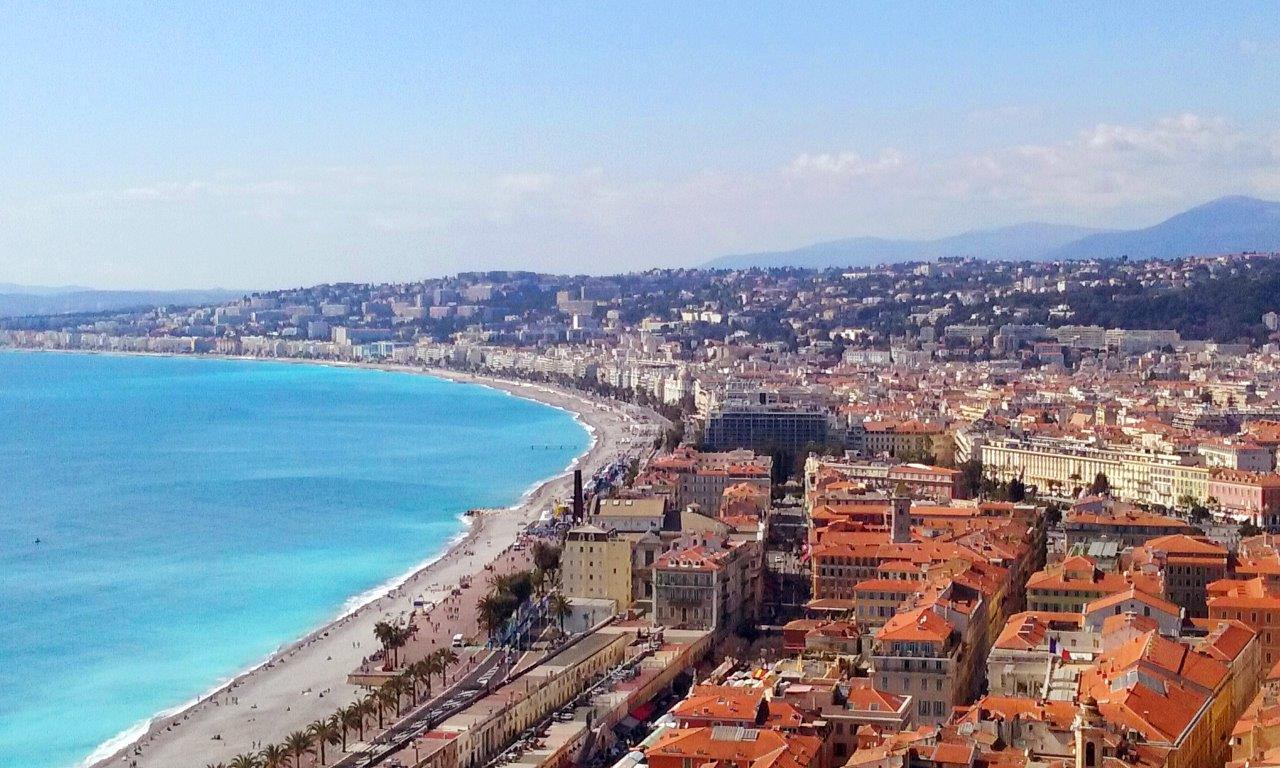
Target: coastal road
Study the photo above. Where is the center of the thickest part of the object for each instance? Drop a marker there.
(488, 674)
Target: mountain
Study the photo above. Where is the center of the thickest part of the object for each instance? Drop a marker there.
(40, 290)
(1226, 225)
(1018, 242)
(88, 300)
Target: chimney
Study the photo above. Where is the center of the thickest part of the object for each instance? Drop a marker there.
(577, 496)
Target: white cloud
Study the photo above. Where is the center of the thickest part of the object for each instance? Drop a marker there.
(846, 164)
(310, 224)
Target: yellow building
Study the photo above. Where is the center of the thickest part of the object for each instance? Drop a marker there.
(596, 563)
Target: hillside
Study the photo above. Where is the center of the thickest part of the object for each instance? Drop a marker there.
(1226, 225)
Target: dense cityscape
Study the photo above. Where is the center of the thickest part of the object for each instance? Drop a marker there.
(926, 515)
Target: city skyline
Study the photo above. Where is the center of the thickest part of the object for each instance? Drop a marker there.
(252, 148)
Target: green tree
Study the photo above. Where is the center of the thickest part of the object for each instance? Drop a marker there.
(445, 658)
(274, 756)
(559, 607)
(325, 732)
(245, 761)
(299, 743)
(1100, 485)
(352, 717)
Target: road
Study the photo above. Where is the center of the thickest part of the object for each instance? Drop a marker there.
(487, 675)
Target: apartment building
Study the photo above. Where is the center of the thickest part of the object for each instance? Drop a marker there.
(595, 563)
(713, 585)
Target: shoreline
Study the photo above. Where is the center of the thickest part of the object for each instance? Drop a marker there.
(192, 732)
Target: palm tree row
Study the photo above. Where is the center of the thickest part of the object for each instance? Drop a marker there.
(393, 637)
(357, 716)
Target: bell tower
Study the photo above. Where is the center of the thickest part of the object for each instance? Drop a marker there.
(1088, 730)
(900, 516)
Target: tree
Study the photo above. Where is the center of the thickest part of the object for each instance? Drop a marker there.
(385, 699)
(324, 732)
(490, 614)
(971, 477)
(1100, 485)
(368, 710)
(559, 607)
(245, 761)
(1249, 529)
(396, 687)
(274, 756)
(299, 743)
(352, 717)
(384, 632)
(445, 657)
(1017, 490)
(426, 669)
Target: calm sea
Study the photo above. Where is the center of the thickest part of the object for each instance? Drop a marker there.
(194, 514)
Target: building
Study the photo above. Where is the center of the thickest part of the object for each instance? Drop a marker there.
(1247, 496)
(595, 563)
(1069, 586)
(1255, 603)
(1186, 565)
(786, 428)
(920, 653)
(713, 585)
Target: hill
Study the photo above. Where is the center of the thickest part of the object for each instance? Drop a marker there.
(20, 304)
(1226, 225)
(1018, 242)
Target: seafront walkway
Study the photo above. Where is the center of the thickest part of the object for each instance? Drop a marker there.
(449, 612)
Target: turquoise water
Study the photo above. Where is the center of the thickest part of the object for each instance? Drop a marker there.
(194, 514)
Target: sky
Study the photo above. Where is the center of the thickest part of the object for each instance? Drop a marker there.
(269, 145)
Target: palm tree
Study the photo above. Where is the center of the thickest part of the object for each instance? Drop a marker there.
(375, 706)
(274, 756)
(445, 658)
(429, 667)
(369, 708)
(245, 761)
(383, 632)
(215, 765)
(422, 672)
(559, 606)
(396, 687)
(409, 683)
(387, 699)
(324, 732)
(300, 743)
(352, 717)
(490, 614)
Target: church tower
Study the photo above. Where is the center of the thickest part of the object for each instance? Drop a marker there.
(1088, 730)
(900, 516)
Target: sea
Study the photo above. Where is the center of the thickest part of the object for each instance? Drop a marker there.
(167, 522)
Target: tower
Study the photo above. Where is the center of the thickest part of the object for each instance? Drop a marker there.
(1087, 728)
(900, 516)
(578, 508)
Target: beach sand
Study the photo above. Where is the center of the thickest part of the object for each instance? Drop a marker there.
(306, 680)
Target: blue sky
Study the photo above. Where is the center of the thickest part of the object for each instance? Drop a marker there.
(171, 145)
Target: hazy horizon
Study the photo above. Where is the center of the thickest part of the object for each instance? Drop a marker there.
(257, 148)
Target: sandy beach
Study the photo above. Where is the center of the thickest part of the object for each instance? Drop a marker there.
(306, 680)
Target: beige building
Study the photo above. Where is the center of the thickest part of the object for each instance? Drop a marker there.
(630, 515)
(596, 564)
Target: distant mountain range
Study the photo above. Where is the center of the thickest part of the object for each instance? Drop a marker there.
(19, 300)
(1226, 225)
